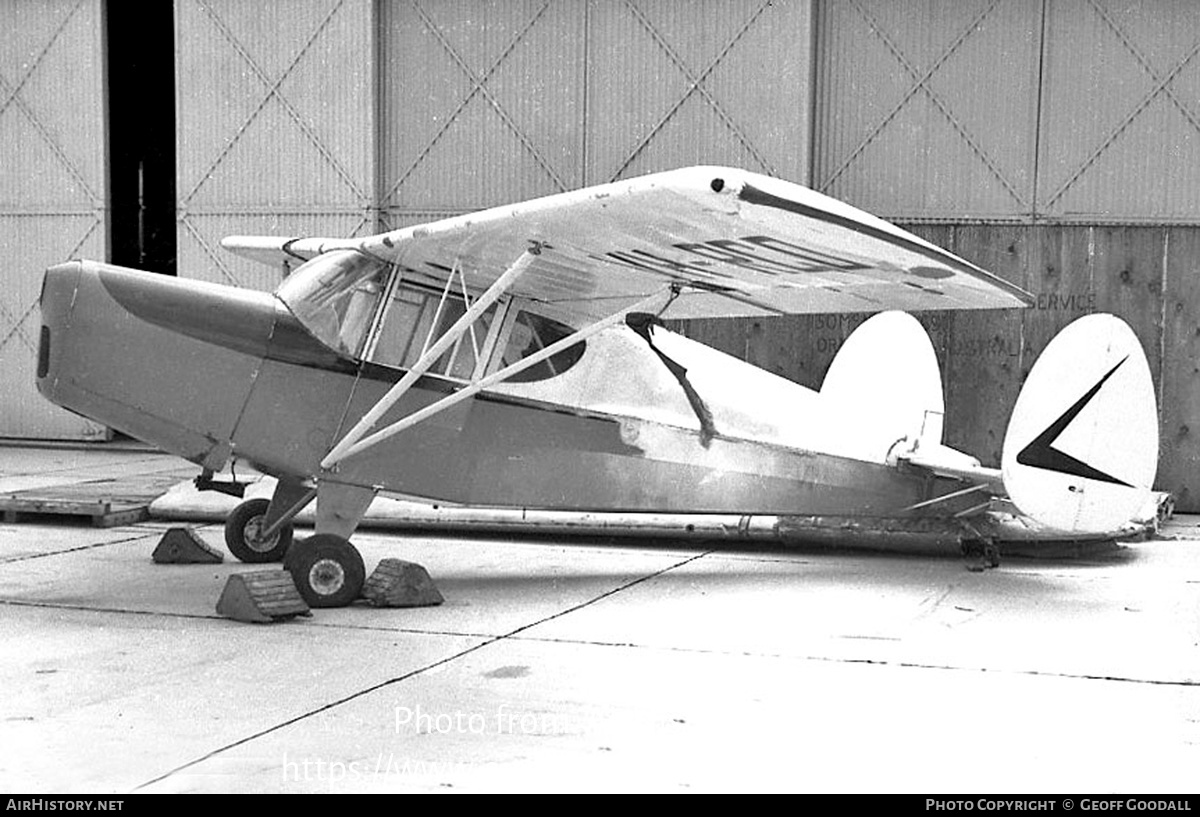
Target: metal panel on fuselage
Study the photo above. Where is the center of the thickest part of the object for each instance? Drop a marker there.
(167, 361)
(514, 452)
(292, 417)
(496, 450)
(613, 431)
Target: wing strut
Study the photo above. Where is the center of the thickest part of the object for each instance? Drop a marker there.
(357, 440)
(351, 445)
(946, 497)
(430, 355)
(642, 323)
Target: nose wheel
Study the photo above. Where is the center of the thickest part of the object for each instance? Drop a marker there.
(327, 569)
(243, 534)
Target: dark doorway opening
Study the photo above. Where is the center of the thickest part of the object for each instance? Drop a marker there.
(141, 134)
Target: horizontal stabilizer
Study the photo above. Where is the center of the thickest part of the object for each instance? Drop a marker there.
(280, 252)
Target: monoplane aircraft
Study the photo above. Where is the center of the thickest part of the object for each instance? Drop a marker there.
(517, 357)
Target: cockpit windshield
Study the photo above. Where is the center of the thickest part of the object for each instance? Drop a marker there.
(338, 297)
(335, 295)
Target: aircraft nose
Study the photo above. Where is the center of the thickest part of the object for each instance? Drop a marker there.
(169, 361)
(59, 285)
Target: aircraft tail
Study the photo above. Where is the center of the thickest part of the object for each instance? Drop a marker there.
(883, 390)
(1081, 449)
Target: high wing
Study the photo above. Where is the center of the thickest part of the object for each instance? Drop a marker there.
(727, 242)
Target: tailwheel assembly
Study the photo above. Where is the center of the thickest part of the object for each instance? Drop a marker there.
(243, 534)
(327, 569)
(981, 554)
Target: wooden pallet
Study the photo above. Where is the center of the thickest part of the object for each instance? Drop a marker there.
(105, 503)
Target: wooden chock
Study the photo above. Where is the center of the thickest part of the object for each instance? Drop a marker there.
(397, 583)
(261, 597)
(183, 546)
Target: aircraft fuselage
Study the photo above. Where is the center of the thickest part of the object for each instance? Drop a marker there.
(209, 372)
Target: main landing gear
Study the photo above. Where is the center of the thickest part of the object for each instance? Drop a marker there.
(327, 569)
(243, 534)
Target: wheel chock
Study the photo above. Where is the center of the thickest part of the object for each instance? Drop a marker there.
(261, 597)
(397, 583)
(182, 546)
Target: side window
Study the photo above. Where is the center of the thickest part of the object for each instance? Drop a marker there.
(530, 333)
(415, 318)
(405, 327)
(356, 311)
(460, 359)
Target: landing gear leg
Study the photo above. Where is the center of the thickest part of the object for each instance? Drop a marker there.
(327, 569)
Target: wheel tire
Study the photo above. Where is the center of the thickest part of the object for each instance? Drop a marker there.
(241, 534)
(327, 569)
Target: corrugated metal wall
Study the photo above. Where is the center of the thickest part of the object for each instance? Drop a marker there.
(928, 108)
(489, 103)
(52, 186)
(676, 84)
(1121, 112)
(1063, 110)
(337, 117)
(483, 105)
(276, 126)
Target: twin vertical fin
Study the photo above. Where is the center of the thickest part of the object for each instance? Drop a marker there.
(1081, 450)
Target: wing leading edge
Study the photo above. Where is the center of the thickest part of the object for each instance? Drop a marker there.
(731, 243)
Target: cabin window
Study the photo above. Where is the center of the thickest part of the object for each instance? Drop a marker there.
(415, 318)
(530, 333)
(335, 296)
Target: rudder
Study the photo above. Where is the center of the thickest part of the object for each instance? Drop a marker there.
(884, 388)
(1081, 450)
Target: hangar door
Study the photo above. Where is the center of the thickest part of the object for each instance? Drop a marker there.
(483, 104)
(52, 186)
(275, 127)
(344, 117)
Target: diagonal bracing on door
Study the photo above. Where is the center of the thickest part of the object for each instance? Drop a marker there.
(15, 322)
(921, 85)
(273, 86)
(696, 85)
(11, 99)
(1161, 86)
(273, 92)
(208, 250)
(479, 83)
(18, 322)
